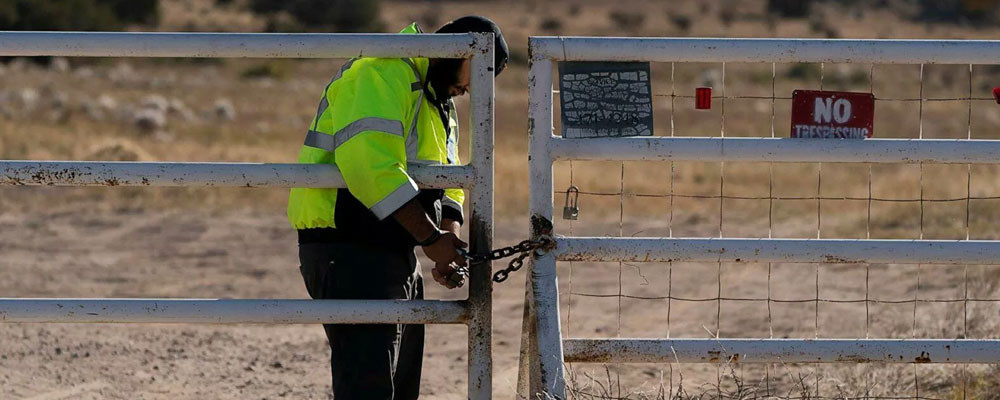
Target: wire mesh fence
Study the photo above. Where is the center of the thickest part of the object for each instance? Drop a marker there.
(797, 200)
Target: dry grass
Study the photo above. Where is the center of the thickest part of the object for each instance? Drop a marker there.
(272, 114)
(797, 381)
(800, 383)
(640, 314)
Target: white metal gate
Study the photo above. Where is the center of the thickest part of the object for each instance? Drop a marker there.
(477, 177)
(543, 348)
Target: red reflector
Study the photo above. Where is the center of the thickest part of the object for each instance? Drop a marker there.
(996, 94)
(703, 98)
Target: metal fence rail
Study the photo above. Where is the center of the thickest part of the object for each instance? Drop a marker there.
(791, 150)
(909, 351)
(236, 45)
(97, 173)
(543, 349)
(477, 177)
(233, 311)
(882, 51)
(779, 250)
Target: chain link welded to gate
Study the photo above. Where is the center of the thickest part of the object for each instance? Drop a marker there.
(525, 248)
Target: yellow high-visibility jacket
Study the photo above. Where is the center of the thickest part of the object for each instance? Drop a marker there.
(374, 118)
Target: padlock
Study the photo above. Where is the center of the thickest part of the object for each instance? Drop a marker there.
(570, 209)
(458, 275)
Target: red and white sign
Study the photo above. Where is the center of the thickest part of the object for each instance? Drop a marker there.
(818, 114)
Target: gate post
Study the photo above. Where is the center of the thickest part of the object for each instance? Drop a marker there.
(541, 372)
(481, 219)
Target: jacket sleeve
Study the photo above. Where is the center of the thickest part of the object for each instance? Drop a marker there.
(451, 203)
(367, 118)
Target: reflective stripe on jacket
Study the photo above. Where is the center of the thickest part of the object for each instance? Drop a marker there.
(373, 119)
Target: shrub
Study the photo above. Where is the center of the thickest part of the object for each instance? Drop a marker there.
(627, 20)
(976, 11)
(550, 24)
(277, 69)
(431, 18)
(760, 77)
(84, 15)
(727, 16)
(336, 15)
(518, 56)
(789, 8)
(681, 21)
(283, 22)
(803, 71)
(74, 15)
(818, 24)
(146, 12)
(846, 76)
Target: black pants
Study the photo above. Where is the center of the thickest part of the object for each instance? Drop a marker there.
(368, 361)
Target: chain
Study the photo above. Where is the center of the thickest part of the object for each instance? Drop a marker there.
(514, 265)
(524, 249)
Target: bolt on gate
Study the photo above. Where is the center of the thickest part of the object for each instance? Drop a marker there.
(477, 177)
(544, 350)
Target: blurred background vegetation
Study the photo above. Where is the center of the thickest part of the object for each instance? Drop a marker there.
(364, 15)
(85, 15)
(255, 109)
(309, 15)
(956, 11)
(111, 15)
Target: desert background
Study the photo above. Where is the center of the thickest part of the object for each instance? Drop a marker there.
(235, 242)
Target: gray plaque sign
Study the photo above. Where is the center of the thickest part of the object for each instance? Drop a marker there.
(605, 99)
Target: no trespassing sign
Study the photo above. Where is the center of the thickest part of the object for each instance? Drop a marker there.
(818, 114)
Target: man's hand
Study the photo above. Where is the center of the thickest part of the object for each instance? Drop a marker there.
(443, 270)
(445, 249)
(441, 273)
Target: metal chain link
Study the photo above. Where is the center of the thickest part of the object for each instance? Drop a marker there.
(525, 248)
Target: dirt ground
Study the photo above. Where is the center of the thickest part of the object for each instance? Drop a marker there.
(191, 255)
(132, 253)
(235, 243)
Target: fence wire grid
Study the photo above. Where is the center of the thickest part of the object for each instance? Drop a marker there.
(654, 296)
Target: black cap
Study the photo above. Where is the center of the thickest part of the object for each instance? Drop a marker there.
(475, 23)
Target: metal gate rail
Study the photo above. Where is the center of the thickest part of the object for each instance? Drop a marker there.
(233, 311)
(911, 351)
(116, 173)
(477, 176)
(543, 350)
(761, 250)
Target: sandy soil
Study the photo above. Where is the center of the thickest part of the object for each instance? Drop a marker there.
(142, 254)
(129, 253)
